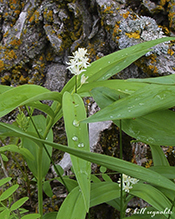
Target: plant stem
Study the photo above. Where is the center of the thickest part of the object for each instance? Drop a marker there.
(40, 186)
(76, 77)
(121, 175)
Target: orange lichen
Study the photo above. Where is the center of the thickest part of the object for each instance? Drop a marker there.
(149, 164)
(135, 35)
(125, 15)
(1, 65)
(170, 52)
(10, 55)
(153, 68)
(171, 15)
(153, 58)
(15, 42)
(48, 15)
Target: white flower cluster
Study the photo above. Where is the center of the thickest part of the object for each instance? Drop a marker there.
(127, 182)
(78, 63)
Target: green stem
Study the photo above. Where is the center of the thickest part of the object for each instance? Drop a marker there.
(45, 136)
(121, 175)
(76, 78)
(40, 186)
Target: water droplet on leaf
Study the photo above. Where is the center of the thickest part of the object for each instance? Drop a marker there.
(76, 123)
(81, 145)
(75, 138)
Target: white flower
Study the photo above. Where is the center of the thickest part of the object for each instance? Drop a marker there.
(83, 79)
(127, 182)
(78, 62)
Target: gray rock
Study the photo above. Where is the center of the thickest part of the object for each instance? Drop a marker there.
(55, 77)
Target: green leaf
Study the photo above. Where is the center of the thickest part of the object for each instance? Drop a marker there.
(18, 203)
(159, 158)
(13, 148)
(168, 79)
(31, 216)
(5, 158)
(149, 99)
(77, 135)
(121, 87)
(73, 206)
(24, 94)
(40, 123)
(112, 163)
(47, 189)
(43, 107)
(103, 192)
(70, 183)
(4, 181)
(167, 171)
(5, 214)
(4, 88)
(152, 196)
(7, 193)
(156, 128)
(112, 64)
(50, 215)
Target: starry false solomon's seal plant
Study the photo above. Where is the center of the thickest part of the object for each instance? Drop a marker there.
(78, 64)
(140, 107)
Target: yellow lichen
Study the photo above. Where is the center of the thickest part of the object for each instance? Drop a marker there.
(125, 15)
(149, 164)
(170, 52)
(10, 55)
(153, 68)
(15, 42)
(135, 35)
(1, 65)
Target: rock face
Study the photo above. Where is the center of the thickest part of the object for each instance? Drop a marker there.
(37, 36)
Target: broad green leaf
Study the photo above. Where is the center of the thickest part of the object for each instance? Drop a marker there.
(13, 148)
(70, 183)
(47, 189)
(73, 206)
(112, 64)
(167, 171)
(168, 193)
(159, 158)
(40, 123)
(31, 216)
(50, 215)
(152, 196)
(102, 192)
(5, 214)
(4, 88)
(7, 193)
(4, 181)
(24, 94)
(43, 107)
(168, 79)
(156, 128)
(18, 203)
(149, 99)
(121, 87)
(77, 136)
(112, 163)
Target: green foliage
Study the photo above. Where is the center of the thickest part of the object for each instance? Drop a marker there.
(139, 106)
